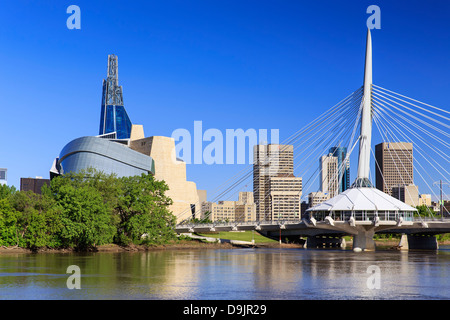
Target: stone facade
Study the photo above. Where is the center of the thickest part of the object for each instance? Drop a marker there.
(184, 194)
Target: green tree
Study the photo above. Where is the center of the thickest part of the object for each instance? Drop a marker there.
(86, 220)
(6, 191)
(143, 211)
(8, 222)
(38, 219)
(423, 211)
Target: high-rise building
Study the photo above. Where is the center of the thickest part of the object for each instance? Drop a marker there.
(276, 190)
(3, 175)
(329, 177)
(393, 165)
(114, 119)
(343, 167)
(285, 195)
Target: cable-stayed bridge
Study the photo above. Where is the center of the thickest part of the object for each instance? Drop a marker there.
(370, 113)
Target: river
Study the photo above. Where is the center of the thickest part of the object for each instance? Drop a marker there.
(231, 274)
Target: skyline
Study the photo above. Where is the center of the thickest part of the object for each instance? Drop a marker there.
(167, 68)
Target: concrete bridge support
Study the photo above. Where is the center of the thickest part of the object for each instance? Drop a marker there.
(422, 241)
(363, 238)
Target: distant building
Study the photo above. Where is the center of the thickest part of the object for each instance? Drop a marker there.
(246, 197)
(425, 199)
(33, 184)
(315, 198)
(3, 176)
(285, 194)
(343, 167)
(408, 194)
(272, 160)
(394, 165)
(329, 176)
(242, 210)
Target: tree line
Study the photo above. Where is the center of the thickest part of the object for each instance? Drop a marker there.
(87, 209)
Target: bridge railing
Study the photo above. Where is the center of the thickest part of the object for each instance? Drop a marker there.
(236, 223)
(364, 215)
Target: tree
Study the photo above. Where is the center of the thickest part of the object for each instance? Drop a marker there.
(424, 211)
(85, 217)
(38, 219)
(143, 211)
(6, 191)
(8, 221)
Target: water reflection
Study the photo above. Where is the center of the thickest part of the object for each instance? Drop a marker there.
(228, 274)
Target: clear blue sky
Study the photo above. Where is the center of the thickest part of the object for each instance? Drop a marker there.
(227, 63)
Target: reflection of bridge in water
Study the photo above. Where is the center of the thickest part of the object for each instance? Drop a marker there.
(362, 210)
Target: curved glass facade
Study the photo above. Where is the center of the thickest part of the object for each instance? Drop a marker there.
(103, 155)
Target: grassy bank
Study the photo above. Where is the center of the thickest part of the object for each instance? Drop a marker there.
(239, 235)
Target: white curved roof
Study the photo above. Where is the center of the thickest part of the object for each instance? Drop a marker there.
(358, 199)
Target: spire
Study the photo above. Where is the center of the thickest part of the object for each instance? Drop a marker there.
(113, 117)
(114, 92)
(366, 121)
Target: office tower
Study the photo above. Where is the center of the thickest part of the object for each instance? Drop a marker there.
(272, 164)
(343, 167)
(285, 194)
(114, 118)
(3, 176)
(393, 165)
(329, 177)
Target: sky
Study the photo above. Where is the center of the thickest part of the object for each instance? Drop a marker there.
(230, 64)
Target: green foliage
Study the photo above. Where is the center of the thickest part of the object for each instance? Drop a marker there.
(8, 222)
(142, 211)
(38, 219)
(6, 191)
(86, 209)
(424, 211)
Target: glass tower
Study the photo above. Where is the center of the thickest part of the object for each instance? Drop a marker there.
(344, 168)
(114, 117)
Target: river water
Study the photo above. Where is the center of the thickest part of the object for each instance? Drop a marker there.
(231, 274)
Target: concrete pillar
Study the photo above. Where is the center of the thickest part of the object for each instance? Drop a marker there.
(363, 240)
(403, 244)
(424, 242)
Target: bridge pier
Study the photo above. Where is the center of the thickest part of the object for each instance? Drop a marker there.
(423, 242)
(363, 238)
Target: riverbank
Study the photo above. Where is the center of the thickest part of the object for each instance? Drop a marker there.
(180, 245)
(184, 244)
